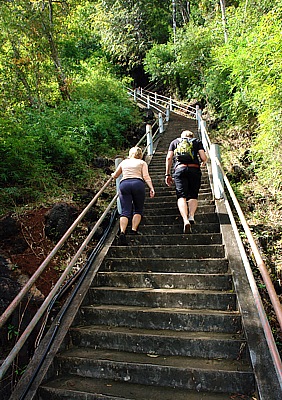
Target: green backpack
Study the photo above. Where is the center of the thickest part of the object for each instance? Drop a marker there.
(184, 151)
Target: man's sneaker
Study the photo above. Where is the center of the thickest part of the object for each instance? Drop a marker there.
(187, 228)
(122, 239)
(191, 220)
(132, 232)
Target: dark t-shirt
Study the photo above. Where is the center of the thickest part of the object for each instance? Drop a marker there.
(197, 145)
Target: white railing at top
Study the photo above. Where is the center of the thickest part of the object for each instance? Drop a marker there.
(162, 104)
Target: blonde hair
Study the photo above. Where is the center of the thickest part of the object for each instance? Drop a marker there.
(187, 134)
(135, 152)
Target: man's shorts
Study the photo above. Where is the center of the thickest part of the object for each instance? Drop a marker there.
(187, 182)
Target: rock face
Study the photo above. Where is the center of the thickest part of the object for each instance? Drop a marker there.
(58, 220)
(9, 227)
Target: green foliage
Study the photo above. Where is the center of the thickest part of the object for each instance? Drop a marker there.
(13, 332)
(245, 83)
(57, 145)
(182, 65)
(160, 63)
(129, 28)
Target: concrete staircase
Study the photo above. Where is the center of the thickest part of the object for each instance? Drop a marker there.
(160, 320)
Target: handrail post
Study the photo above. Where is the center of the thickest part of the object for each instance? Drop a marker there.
(135, 95)
(167, 113)
(117, 162)
(203, 134)
(170, 103)
(161, 124)
(149, 140)
(198, 116)
(141, 92)
(216, 172)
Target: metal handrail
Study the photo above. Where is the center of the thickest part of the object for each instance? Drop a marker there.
(261, 265)
(21, 341)
(133, 93)
(256, 253)
(11, 308)
(259, 261)
(173, 103)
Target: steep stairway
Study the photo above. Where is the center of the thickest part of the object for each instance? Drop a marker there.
(160, 320)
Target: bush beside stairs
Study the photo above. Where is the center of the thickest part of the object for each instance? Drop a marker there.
(160, 320)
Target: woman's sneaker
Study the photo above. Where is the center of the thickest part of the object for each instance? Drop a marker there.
(191, 220)
(187, 228)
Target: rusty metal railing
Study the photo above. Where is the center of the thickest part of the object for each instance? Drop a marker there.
(219, 180)
(14, 304)
(11, 308)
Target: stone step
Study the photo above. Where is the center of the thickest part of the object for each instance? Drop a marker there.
(178, 319)
(160, 342)
(166, 195)
(76, 388)
(176, 219)
(158, 172)
(168, 201)
(208, 265)
(165, 190)
(172, 239)
(164, 209)
(164, 280)
(160, 320)
(177, 228)
(171, 298)
(168, 251)
(170, 371)
(158, 175)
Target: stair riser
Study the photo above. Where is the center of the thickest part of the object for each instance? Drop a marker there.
(170, 191)
(145, 374)
(166, 251)
(157, 265)
(177, 228)
(171, 200)
(169, 194)
(176, 219)
(158, 180)
(168, 346)
(208, 301)
(189, 322)
(68, 394)
(195, 239)
(162, 209)
(156, 281)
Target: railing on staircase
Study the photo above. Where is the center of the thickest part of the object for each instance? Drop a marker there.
(162, 106)
(220, 184)
(49, 300)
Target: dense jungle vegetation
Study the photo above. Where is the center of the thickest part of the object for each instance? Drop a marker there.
(64, 68)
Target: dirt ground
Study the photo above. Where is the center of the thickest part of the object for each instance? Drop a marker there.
(36, 246)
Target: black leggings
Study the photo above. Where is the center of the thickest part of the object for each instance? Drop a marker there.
(132, 196)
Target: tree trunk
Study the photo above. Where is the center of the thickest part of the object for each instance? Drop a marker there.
(222, 6)
(61, 78)
(20, 74)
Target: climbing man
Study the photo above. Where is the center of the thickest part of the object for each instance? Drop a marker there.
(186, 153)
